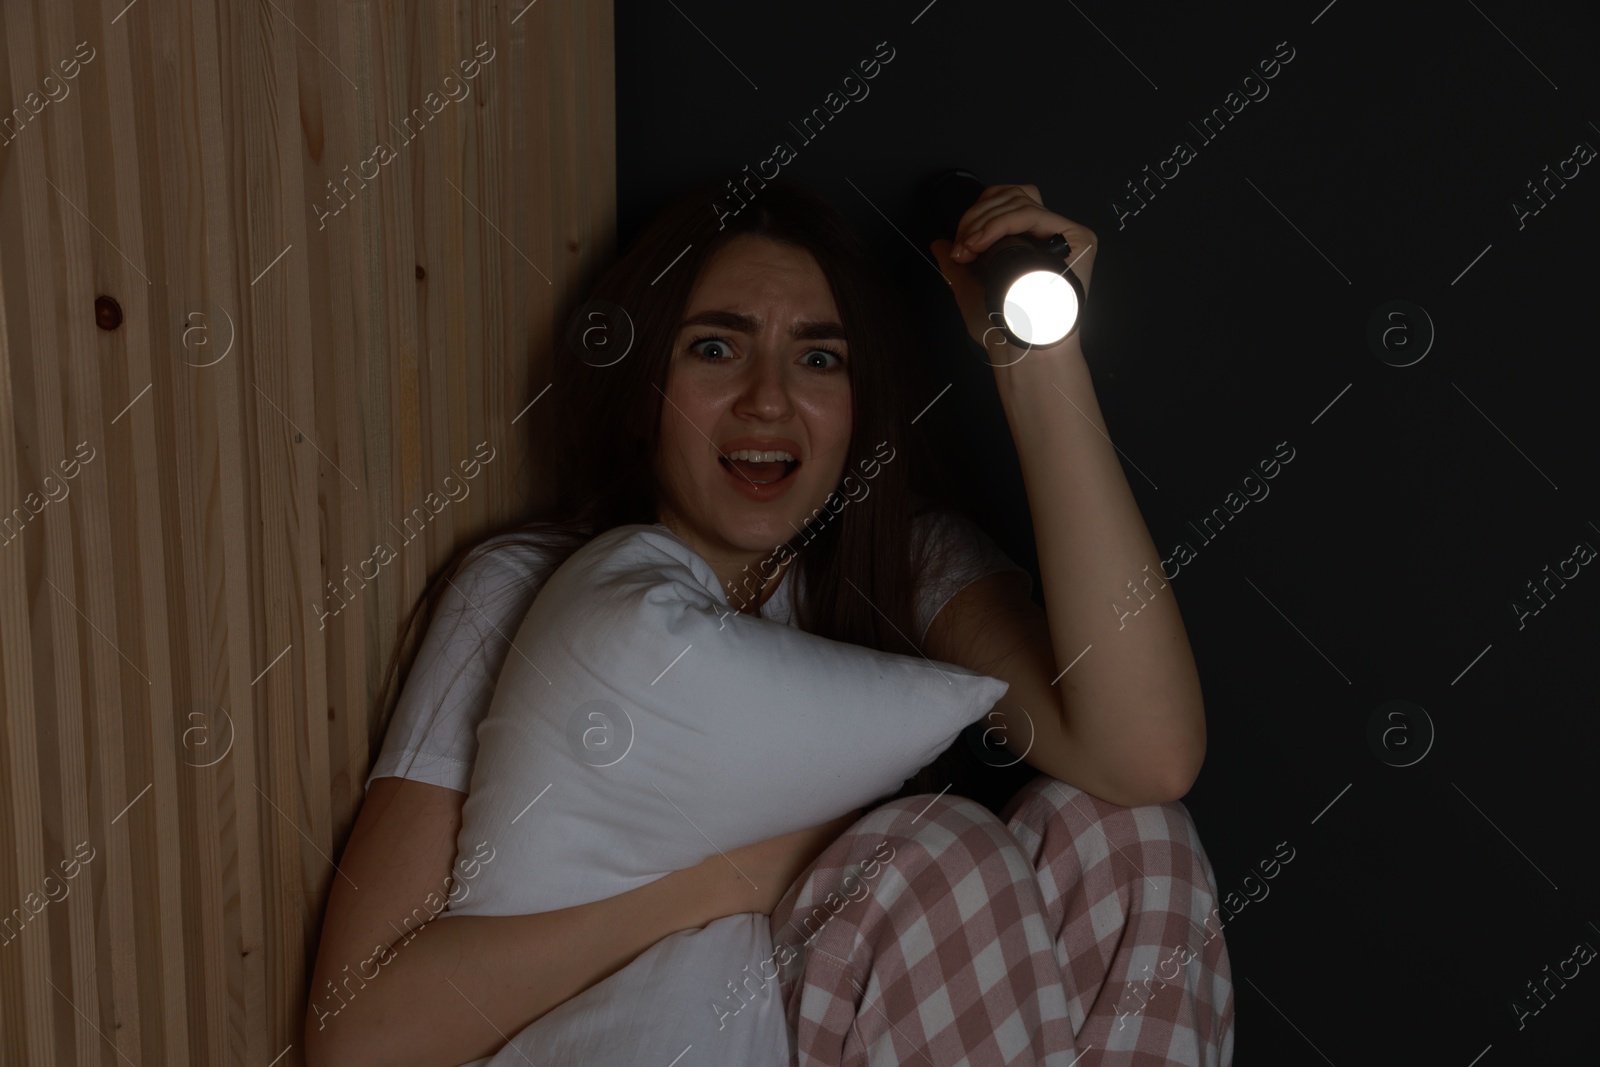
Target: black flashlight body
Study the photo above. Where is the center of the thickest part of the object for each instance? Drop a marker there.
(946, 197)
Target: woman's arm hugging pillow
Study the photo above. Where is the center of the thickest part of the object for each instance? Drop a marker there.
(639, 725)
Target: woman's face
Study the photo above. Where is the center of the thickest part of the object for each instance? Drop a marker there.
(760, 364)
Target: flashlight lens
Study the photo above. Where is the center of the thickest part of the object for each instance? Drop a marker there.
(1041, 307)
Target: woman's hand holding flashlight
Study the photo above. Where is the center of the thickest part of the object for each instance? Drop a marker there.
(1003, 210)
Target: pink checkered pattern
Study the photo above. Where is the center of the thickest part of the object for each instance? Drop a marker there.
(1069, 931)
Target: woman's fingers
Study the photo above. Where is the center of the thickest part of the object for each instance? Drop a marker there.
(1010, 209)
(996, 201)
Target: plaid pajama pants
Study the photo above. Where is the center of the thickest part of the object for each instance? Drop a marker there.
(1073, 932)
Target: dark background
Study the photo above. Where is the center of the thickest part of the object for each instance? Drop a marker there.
(1421, 499)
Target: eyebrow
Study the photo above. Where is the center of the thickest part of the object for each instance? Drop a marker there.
(733, 320)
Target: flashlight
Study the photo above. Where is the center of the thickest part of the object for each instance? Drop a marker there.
(1031, 293)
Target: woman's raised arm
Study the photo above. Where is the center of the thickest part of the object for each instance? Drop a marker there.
(1130, 717)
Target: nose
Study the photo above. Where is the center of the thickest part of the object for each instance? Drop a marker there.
(764, 392)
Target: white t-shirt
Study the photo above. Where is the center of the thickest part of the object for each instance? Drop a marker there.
(433, 737)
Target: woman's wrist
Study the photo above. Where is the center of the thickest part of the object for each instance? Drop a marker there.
(697, 896)
(1034, 368)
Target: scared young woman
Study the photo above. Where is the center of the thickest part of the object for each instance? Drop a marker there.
(767, 362)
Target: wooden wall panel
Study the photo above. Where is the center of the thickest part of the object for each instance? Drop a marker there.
(241, 347)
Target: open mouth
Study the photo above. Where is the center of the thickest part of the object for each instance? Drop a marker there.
(759, 473)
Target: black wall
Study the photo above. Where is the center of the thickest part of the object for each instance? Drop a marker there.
(1232, 313)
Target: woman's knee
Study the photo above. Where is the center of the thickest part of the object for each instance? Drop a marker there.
(922, 844)
(943, 837)
(929, 819)
(1158, 835)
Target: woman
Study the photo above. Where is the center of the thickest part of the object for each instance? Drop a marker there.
(769, 331)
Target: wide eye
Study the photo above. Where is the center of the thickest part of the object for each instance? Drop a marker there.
(695, 347)
(838, 360)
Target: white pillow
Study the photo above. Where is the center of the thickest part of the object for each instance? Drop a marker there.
(639, 726)
(707, 989)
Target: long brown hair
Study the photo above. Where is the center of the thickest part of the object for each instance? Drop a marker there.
(857, 571)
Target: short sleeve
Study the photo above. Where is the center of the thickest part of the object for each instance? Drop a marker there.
(433, 736)
(960, 553)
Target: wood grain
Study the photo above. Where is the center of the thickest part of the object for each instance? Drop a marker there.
(267, 389)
